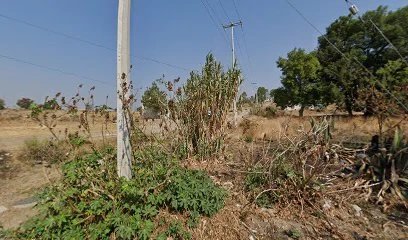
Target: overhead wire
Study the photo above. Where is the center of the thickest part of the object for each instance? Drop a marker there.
(88, 42)
(80, 77)
(236, 9)
(347, 58)
(217, 25)
(349, 3)
(243, 34)
(225, 12)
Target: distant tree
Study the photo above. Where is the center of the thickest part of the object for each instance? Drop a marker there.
(25, 103)
(261, 94)
(280, 96)
(244, 98)
(154, 99)
(2, 104)
(299, 79)
(51, 104)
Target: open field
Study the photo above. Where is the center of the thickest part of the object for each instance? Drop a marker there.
(240, 218)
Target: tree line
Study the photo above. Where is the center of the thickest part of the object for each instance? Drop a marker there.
(326, 76)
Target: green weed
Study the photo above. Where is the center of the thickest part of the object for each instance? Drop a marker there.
(90, 202)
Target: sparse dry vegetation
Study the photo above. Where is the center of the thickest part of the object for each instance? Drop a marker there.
(278, 175)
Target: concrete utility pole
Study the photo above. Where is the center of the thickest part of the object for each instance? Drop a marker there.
(124, 154)
(232, 25)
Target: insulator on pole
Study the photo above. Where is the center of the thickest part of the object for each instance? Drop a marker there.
(353, 9)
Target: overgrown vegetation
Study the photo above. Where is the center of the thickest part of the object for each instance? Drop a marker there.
(299, 170)
(386, 169)
(200, 108)
(91, 202)
(294, 170)
(2, 104)
(49, 152)
(306, 168)
(259, 110)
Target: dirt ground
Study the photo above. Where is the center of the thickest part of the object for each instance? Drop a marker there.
(20, 181)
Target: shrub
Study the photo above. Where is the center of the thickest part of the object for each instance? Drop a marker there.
(36, 151)
(292, 171)
(91, 202)
(25, 103)
(2, 104)
(200, 108)
(267, 112)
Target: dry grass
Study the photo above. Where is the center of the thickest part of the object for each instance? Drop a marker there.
(345, 128)
(240, 219)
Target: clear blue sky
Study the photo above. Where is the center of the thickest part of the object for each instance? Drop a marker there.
(179, 32)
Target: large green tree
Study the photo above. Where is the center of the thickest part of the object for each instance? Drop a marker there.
(299, 79)
(394, 75)
(342, 76)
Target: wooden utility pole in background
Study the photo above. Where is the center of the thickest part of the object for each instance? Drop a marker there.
(124, 154)
(232, 25)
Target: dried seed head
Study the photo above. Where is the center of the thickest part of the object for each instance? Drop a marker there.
(179, 91)
(170, 86)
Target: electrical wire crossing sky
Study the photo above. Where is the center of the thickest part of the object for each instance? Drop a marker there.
(52, 46)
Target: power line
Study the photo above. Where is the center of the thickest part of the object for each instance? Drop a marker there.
(87, 42)
(54, 69)
(214, 22)
(344, 55)
(236, 10)
(243, 34)
(389, 42)
(225, 12)
(353, 7)
(214, 12)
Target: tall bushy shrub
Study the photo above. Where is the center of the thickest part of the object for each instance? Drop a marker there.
(200, 108)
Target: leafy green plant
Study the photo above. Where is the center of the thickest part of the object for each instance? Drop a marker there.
(175, 231)
(91, 202)
(294, 233)
(255, 178)
(249, 139)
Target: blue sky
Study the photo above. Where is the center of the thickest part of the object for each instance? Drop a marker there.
(179, 32)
